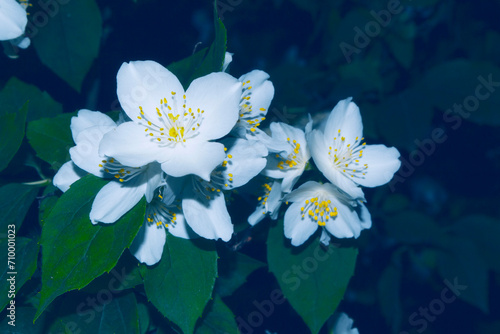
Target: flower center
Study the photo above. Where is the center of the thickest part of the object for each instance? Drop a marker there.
(158, 213)
(263, 199)
(291, 160)
(346, 156)
(120, 172)
(318, 210)
(248, 117)
(173, 123)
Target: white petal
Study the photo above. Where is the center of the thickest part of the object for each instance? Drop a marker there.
(13, 19)
(257, 215)
(22, 42)
(194, 157)
(297, 228)
(343, 325)
(181, 229)
(382, 163)
(68, 174)
(87, 119)
(282, 132)
(228, 58)
(306, 191)
(261, 98)
(218, 94)
(290, 179)
(346, 118)
(325, 237)
(364, 217)
(129, 144)
(209, 219)
(346, 224)
(115, 199)
(247, 160)
(319, 152)
(86, 152)
(148, 244)
(154, 177)
(274, 200)
(256, 77)
(144, 84)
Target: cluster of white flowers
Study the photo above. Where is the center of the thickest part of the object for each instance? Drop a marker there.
(13, 21)
(183, 149)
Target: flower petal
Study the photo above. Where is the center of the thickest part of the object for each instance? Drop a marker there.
(154, 177)
(319, 152)
(131, 147)
(148, 244)
(68, 174)
(247, 160)
(86, 152)
(218, 95)
(209, 218)
(13, 19)
(87, 119)
(346, 224)
(297, 228)
(181, 229)
(256, 78)
(115, 199)
(145, 83)
(194, 157)
(382, 162)
(346, 118)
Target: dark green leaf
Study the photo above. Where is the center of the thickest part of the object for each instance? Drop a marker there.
(313, 279)
(24, 322)
(12, 127)
(104, 313)
(69, 42)
(181, 284)
(51, 139)
(15, 94)
(75, 251)
(15, 200)
(233, 272)
(204, 61)
(24, 265)
(219, 319)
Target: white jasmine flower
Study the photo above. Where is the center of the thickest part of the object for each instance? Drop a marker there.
(290, 154)
(256, 96)
(269, 203)
(228, 58)
(171, 126)
(162, 214)
(344, 159)
(13, 19)
(128, 184)
(203, 202)
(322, 205)
(343, 325)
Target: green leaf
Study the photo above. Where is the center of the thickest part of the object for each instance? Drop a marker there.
(204, 61)
(15, 200)
(12, 127)
(24, 265)
(312, 278)
(69, 42)
(80, 313)
(15, 94)
(75, 251)
(456, 83)
(181, 284)
(51, 139)
(234, 269)
(460, 260)
(219, 319)
(24, 322)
